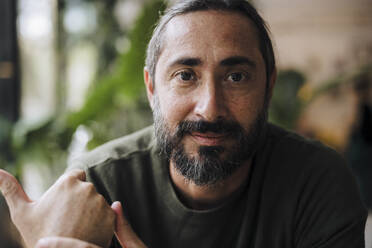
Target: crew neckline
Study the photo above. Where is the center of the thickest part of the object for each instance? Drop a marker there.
(176, 207)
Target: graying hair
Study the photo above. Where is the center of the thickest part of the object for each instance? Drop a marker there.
(186, 6)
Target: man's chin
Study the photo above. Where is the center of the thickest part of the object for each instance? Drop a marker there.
(208, 166)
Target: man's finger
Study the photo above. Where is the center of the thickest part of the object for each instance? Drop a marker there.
(123, 231)
(77, 173)
(62, 242)
(12, 191)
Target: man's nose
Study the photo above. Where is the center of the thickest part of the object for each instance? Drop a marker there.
(210, 102)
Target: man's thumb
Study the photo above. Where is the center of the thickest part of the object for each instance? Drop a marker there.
(123, 231)
(12, 191)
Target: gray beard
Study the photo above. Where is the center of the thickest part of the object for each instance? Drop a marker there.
(207, 168)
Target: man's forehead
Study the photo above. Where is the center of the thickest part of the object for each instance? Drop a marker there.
(194, 33)
(209, 19)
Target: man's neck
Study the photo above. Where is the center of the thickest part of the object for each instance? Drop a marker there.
(207, 197)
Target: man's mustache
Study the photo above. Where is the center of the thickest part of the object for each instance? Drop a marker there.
(220, 126)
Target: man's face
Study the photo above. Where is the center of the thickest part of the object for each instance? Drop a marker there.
(210, 99)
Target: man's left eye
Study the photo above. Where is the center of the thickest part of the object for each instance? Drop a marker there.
(236, 77)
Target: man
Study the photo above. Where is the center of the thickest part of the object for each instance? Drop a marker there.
(211, 172)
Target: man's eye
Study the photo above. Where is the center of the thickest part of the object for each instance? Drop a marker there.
(185, 76)
(236, 77)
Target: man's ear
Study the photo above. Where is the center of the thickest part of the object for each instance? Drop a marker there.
(272, 81)
(149, 86)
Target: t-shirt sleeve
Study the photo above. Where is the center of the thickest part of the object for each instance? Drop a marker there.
(330, 213)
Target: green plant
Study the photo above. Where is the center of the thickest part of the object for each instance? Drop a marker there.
(114, 106)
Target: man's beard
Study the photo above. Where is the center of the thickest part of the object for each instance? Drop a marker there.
(208, 167)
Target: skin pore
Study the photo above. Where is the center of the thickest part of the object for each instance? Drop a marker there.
(210, 68)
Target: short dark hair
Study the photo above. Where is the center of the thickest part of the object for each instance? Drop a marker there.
(186, 6)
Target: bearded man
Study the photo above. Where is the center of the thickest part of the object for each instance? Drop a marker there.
(211, 172)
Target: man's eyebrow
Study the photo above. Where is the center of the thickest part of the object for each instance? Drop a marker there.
(186, 61)
(238, 60)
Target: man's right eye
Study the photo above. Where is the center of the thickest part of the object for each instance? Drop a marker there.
(185, 75)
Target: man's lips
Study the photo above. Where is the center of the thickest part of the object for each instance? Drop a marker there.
(208, 139)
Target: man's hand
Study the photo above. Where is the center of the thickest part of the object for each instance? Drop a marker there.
(70, 208)
(123, 232)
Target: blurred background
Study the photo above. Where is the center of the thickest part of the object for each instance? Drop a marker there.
(71, 79)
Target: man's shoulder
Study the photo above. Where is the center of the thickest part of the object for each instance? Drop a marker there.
(141, 141)
(288, 140)
(312, 189)
(294, 165)
(287, 146)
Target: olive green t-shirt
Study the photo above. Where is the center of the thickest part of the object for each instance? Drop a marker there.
(299, 193)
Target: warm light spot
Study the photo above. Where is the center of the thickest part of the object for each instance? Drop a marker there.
(6, 70)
